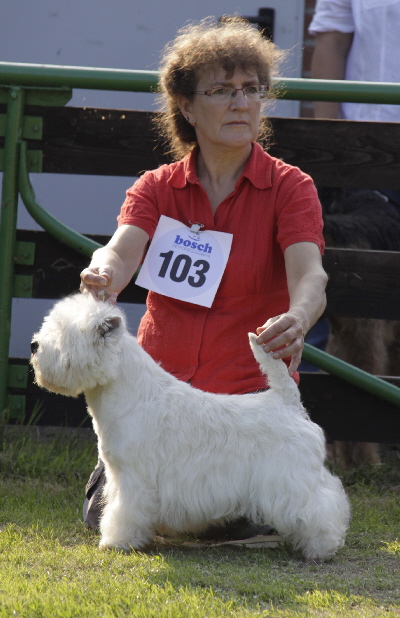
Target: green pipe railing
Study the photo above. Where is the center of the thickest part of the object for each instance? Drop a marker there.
(8, 224)
(92, 78)
(342, 91)
(53, 226)
(18, 77)
(352, 374)
(47, 75)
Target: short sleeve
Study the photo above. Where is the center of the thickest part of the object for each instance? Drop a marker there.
(140, 207)
(332, 15)
(299, 212)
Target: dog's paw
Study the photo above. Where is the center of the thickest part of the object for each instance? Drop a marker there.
(123, 549)
(123, 546)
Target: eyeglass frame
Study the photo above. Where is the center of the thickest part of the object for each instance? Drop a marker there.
(263, 89)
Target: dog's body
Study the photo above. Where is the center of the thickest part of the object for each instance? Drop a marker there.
(179, 458)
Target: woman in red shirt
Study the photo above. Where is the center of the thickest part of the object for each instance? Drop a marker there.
(214, 77)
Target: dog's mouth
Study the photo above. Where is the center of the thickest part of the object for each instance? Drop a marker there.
(52, 387)
(46, 380)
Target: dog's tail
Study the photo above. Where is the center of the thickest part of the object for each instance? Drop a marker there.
(276, 372)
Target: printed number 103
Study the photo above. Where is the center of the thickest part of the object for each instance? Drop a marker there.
(180, 269)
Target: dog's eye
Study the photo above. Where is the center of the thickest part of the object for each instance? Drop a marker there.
(34, 347)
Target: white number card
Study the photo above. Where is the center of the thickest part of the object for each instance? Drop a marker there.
(184, 263)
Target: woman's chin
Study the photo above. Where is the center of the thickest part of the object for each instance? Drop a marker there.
(236, 139)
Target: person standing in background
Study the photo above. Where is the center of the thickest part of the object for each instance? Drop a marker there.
(357, 40)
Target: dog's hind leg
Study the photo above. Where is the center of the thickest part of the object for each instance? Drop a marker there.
(129, 516)
(314, 516)
(300, 498)
(326, 521)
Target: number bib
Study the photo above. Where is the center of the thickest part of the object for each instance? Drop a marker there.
(185, 264)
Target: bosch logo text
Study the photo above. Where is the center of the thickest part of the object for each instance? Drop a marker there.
(205, 248)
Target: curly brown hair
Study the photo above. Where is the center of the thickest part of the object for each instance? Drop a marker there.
(230, 43)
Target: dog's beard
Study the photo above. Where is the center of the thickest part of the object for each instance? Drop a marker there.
(52, 387)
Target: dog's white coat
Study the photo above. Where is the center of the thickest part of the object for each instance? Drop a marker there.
(179, 458)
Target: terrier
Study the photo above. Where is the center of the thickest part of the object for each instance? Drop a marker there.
(180, 459)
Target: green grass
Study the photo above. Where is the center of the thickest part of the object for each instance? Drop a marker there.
(50, 565)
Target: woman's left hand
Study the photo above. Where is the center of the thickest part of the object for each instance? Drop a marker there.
(306, 284)
(284, 336)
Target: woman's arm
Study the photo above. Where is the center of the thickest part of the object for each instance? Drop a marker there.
(306, 281)
(113, 266)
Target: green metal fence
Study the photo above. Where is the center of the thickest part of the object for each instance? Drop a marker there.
(298, 89)
(33, 84)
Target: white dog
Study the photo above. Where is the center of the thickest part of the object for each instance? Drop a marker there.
(179, 458)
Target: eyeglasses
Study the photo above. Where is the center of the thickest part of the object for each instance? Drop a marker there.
(225, 94)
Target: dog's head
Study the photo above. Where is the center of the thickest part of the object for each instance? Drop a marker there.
(77, 347)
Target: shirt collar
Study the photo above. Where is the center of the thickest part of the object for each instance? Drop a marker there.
(257, 169)
(184, 171)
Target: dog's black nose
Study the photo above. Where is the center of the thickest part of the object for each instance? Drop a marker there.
(34, 347)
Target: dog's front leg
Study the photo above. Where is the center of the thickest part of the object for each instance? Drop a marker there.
(130, 514)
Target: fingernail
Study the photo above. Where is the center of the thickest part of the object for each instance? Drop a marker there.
(112, 299)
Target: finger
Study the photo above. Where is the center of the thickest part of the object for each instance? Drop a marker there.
(98, 277)
(295, 362)
(88, 289)
(85, 285)
(274, 328)
(106, 272)
(268, 323)
(112, 299)
(106, 296)
(261, 329)
(283, 340)
(102, 295)
(294, 346)
(89, 275)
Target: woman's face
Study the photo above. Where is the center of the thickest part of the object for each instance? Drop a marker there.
(227, 124)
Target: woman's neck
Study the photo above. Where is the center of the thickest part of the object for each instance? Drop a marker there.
(218, 172)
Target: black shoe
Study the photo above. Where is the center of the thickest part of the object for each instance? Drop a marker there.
(237, 530)
(93, 503)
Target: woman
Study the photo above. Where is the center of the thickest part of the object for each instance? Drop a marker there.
(213, 79)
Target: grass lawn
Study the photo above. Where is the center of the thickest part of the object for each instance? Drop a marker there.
(50, 565)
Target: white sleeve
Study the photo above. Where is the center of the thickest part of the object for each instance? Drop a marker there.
(332, 15)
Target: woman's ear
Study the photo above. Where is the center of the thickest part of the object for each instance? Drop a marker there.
(185, 105)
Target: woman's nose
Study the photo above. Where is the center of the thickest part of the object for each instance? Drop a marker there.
(239, 100)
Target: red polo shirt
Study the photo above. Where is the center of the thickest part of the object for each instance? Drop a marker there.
(272, 206)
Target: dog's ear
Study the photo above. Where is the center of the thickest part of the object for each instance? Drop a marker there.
(109, 324)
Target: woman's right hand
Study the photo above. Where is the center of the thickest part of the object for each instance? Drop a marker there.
(98, 282)
(113, 265)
